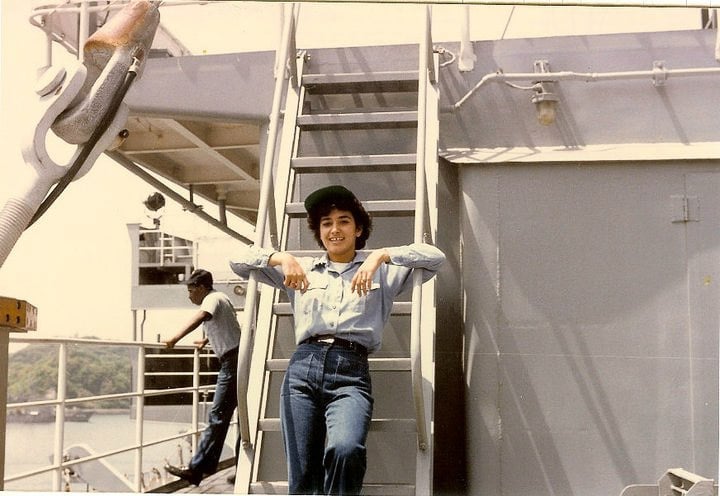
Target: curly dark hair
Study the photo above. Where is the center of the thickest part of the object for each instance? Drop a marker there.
(352, 205)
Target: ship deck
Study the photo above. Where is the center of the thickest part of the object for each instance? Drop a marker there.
(214, 484)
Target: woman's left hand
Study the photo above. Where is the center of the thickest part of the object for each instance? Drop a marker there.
(362, 280)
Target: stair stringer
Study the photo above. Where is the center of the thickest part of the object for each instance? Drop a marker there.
(424, 463)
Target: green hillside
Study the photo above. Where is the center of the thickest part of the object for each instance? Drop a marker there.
(91, 371)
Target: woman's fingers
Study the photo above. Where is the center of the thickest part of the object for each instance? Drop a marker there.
(295, 277)
(297, 282)
(361, 282)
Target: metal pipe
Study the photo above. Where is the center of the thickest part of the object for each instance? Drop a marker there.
(222, 209)
(195, 398)
(717, 39)
(467, 58)
(139, 416)
(4, 358)
(420, 195)
(60, 418)
(659, 73)
(135, 325)
(142, 325)
(83, 28)
(65, 7)
(48, 51)
(189, 206)
(428, 49)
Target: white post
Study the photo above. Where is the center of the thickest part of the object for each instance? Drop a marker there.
(196, 398)
(83, 29)
(467, 58)
(60, 418)
(139, 416)
(4, 340)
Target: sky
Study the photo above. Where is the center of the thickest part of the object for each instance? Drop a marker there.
(74, 263)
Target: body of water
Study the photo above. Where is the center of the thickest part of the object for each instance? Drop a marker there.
(30, 446)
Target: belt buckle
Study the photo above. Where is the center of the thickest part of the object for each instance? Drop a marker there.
(326, 340)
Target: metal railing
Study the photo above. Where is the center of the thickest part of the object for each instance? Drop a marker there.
(60, 464)
(158, 248)
(426, 75)
(41, 17)
(286, 57)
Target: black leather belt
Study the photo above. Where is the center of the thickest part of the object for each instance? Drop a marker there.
(332, 340)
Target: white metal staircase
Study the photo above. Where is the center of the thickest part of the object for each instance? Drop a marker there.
(403, 374)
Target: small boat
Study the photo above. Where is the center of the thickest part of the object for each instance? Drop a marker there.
(40, 416)
(78, 415)
(31, 416)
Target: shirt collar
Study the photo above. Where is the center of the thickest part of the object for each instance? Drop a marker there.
(323, 261)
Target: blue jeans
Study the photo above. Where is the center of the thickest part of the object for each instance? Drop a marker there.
(206, 458)
(326, 406)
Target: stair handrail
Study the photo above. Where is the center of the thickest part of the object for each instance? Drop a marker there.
(248, 329)
(425, 55)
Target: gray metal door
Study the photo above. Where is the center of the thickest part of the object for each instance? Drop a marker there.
(702, 207)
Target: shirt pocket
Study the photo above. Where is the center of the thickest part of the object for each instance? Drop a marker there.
(310, 301)
(369, 302)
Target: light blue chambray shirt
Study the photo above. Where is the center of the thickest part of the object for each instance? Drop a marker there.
(328, 306)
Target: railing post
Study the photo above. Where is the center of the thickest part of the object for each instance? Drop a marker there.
(60, 417)
(419, 235)
(196, 398)
(266, 194)
(83, 29)
(4, 342)
(139, 416)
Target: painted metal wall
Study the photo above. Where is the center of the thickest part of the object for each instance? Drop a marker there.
(591, 325)
(499, 118)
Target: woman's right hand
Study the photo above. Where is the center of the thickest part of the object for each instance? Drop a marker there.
(295, 277)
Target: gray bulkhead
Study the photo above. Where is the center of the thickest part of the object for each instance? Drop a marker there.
(589, 267)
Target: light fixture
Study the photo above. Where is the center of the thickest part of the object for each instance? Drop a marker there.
(154, 204)
(544, 99)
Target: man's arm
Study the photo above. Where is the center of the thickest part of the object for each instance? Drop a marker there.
(193, 324)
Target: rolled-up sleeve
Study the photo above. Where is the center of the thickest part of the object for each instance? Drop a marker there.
(418, 256)
(254, 258)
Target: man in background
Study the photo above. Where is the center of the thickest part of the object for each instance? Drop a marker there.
(221, 329)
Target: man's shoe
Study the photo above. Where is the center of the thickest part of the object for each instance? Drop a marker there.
(185, 474)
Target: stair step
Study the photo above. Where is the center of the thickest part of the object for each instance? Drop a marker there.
(359, 120)
(399, 307)
(356, 163)
(281, 487)
(352, 82)
(376, 425)
(376, 364)
(380, 208)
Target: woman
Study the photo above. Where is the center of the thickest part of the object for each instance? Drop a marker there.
(341, 302)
